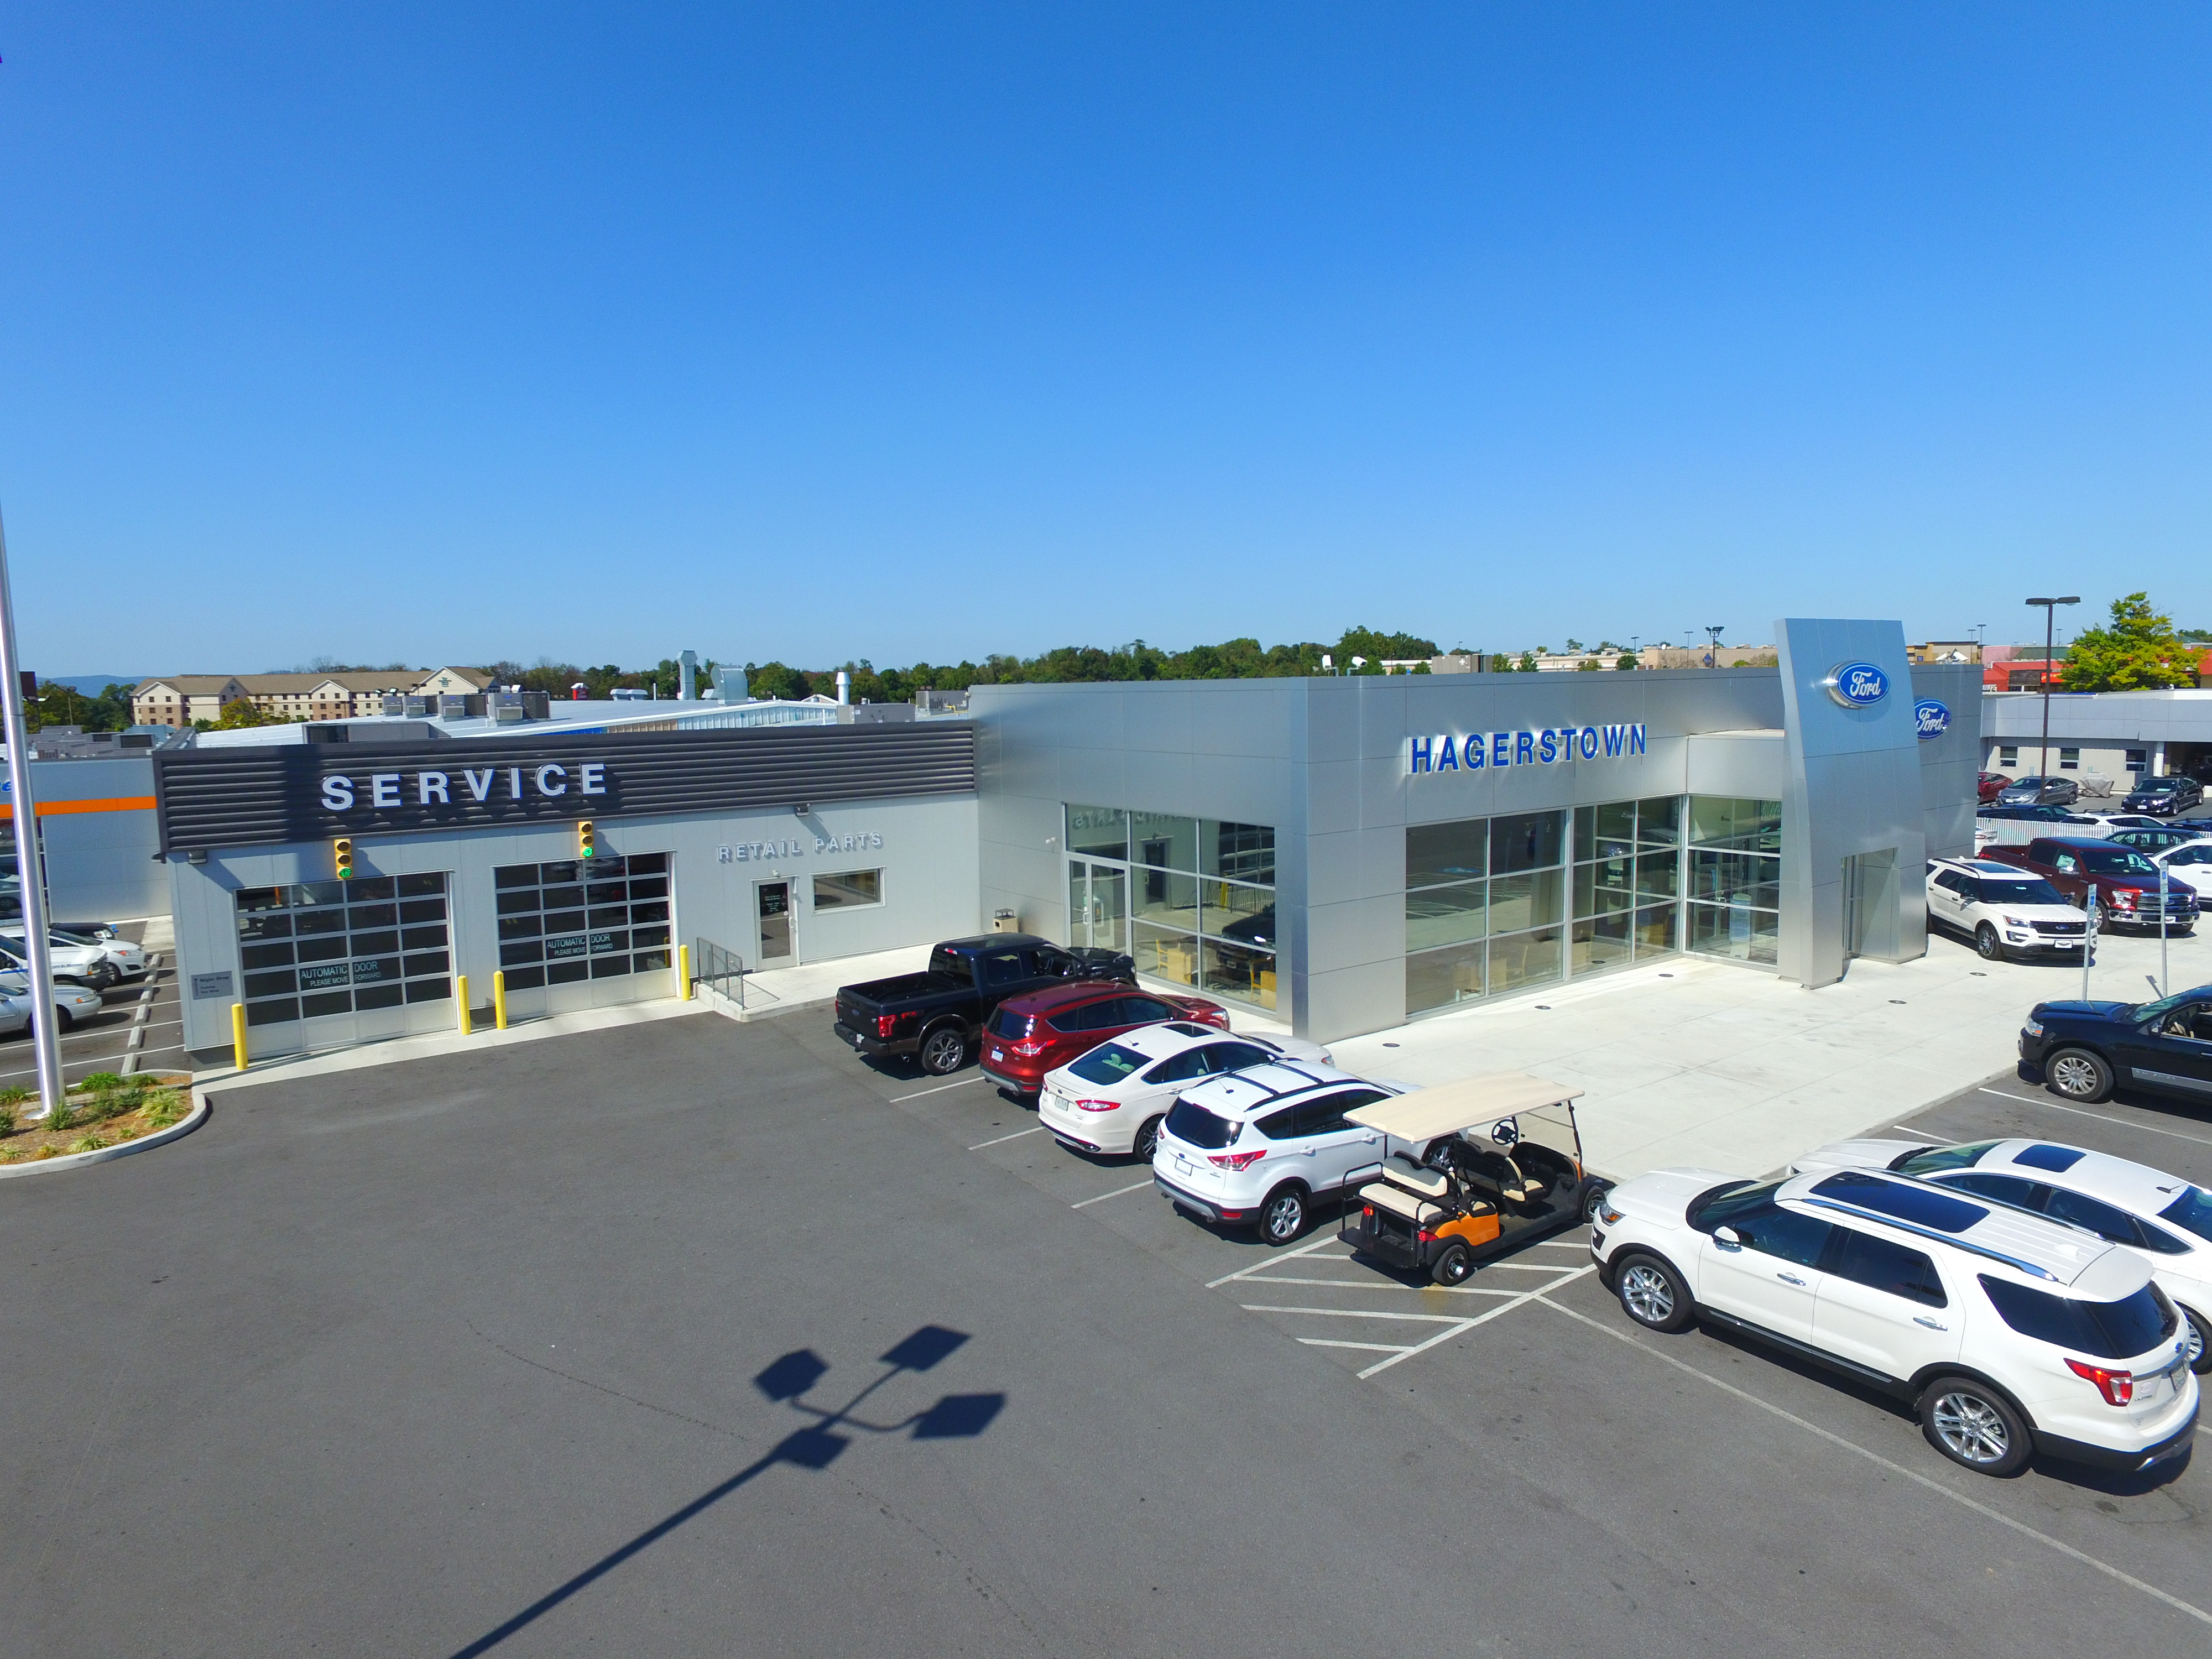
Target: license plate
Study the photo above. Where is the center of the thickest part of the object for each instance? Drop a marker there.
(998, 1054)
(1185, 1164)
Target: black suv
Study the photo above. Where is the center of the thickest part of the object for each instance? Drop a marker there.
(2082, 1049)
(2164, 797)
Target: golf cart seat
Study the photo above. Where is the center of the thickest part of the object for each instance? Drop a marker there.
(1519, 1188)
(1400, 1171)
(1403, 1205)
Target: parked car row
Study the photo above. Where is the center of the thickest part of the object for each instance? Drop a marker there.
(1995, 1305)
(2160, 797)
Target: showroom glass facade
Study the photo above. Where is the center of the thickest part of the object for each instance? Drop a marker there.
(1192, 900)
(1735, 879)
(1503, 904)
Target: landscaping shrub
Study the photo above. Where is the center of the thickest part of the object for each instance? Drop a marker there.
(165, 1107)
(100, 1082)
(92, 1143)
(63, 1117)
(7, 1122)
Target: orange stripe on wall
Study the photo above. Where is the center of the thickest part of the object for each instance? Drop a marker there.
(48, 809)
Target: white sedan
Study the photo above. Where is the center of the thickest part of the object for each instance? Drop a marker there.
(71, 1003)
(1113, 1098)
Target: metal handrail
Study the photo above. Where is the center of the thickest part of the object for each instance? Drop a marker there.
(723, 969)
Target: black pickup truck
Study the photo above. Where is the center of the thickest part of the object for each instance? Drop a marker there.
(935, 1016)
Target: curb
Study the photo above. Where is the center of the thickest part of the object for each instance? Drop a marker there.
(184, 1125)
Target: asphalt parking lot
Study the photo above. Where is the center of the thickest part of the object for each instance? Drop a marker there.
(140, 1020)
(692, 1336)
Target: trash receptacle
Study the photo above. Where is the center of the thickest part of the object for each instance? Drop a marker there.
(1005, 921)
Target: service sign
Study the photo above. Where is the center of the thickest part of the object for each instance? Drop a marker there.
(1856, 684)
(1546, 745)
(546, 781)
(1930, 718)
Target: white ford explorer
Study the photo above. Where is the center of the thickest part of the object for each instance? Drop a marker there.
(2008, 1332)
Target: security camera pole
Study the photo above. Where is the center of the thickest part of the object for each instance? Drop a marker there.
(30, 869)
(2050, 640)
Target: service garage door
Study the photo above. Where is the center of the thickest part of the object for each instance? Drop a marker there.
(324, 963)
(583, 933)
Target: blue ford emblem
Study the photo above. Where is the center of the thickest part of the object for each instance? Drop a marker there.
(1930, 718)
(1857, 684)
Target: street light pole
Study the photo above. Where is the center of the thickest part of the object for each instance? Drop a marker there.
(30, 867)
(2050, 638)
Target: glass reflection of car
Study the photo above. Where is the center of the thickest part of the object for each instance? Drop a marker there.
(2040, 792)
(1040, 1031)
(1112, 1099)
(2159, 1217)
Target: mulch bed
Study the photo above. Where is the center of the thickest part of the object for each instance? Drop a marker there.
(107, 1113)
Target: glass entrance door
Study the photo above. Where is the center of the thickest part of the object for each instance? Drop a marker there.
(774, 905)
(1098, 905)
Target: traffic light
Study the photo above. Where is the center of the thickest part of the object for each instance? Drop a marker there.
(588, 841)
(342, 847)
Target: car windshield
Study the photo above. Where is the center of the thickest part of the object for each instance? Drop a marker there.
(2109, 1330)
(1931, 1159)
(2192, 1210)
(1197, 1127)
(2032, 890)
(1107, 1065)
(2117, 862)
(2143, 1010)
(2027, 783)
(1740, 1199)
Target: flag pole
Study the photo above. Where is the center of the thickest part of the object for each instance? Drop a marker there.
(30, 866)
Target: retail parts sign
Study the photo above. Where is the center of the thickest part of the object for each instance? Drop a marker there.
(1545, 745)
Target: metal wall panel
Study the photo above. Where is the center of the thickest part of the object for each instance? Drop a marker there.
(276, 796)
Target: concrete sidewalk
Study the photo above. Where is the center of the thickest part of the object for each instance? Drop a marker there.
(1702, 1062)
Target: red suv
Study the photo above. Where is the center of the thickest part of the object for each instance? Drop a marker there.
(1989, 783)
(1033, 1034)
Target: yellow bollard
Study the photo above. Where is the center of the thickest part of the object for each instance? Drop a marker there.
(238, 1034)
(499, 999)
(461, 990)
(684, 972)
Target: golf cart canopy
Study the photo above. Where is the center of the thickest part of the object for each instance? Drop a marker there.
(1479, 1107)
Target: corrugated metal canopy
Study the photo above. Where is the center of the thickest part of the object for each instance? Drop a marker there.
(1472, 1102)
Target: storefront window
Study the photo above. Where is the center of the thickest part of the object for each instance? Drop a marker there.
(1200, 906)
(571, 921)
(315, 949)
(849, 888)
(1735, 879)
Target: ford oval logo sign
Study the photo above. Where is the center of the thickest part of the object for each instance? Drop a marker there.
(1930, 718)
(1857, 684)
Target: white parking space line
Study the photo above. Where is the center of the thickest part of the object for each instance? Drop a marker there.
(2101, 1117)
(1355, 1312)
(1377, 1282)
(1899, 1469)
(1002, 1139)
(1484, 1318)
(961, 1084)
(1364, 1347)
(1308, 1249)
(1084, 1204)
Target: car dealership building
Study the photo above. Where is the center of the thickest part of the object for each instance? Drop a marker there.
(1341, 853)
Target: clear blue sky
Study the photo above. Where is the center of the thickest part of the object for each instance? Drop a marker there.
(452, 333)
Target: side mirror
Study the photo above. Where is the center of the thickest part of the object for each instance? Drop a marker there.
(1727, 1238)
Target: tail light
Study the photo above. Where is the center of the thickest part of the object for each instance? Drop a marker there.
(2117, 1387)
(1237, 1160)
(1098, 1105)
(1028, 1049)
(885, 1025)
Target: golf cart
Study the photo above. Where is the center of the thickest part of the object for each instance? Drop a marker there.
(1501, 1165)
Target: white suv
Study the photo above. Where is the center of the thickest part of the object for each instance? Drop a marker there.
(1113, 1098)
(2161, 1218)
(1263, 1146)
(2006, 910)
(2010, 1334)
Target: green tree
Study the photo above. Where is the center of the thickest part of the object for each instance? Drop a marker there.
(238, 712)
(1628, 660)
(2136, 651)
(1528, 664)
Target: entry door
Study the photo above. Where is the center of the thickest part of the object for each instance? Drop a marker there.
(774, 903)
(1098, 905)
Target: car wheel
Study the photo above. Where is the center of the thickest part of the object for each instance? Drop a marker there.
(1452, 1264)
(1594, 1200)
(1974, 1425)
(1147, 1141)
(2200, 1340)
(1282, 1216)
(942, 1050)
(1653, 1295)
(1987, 945)
(2078, 1074)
